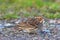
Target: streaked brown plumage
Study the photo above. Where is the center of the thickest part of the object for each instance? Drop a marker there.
(31, 24)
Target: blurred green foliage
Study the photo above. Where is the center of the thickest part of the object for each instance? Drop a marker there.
(49, 8)
(10, 16)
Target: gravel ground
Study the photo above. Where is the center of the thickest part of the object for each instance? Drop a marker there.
(13, 34)
(51, 33)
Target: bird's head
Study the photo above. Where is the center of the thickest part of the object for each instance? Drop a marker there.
(39, 18)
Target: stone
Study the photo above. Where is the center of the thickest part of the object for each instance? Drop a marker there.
(1, 26)
(9, 25)
(52, 21)
(47, 31)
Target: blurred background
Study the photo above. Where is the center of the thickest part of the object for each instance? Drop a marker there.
(13, 12)
(11, 9)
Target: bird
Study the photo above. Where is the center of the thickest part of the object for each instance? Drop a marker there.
(31, 24)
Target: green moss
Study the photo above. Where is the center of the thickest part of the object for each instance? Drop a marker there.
(10, 16)
(49, 11)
